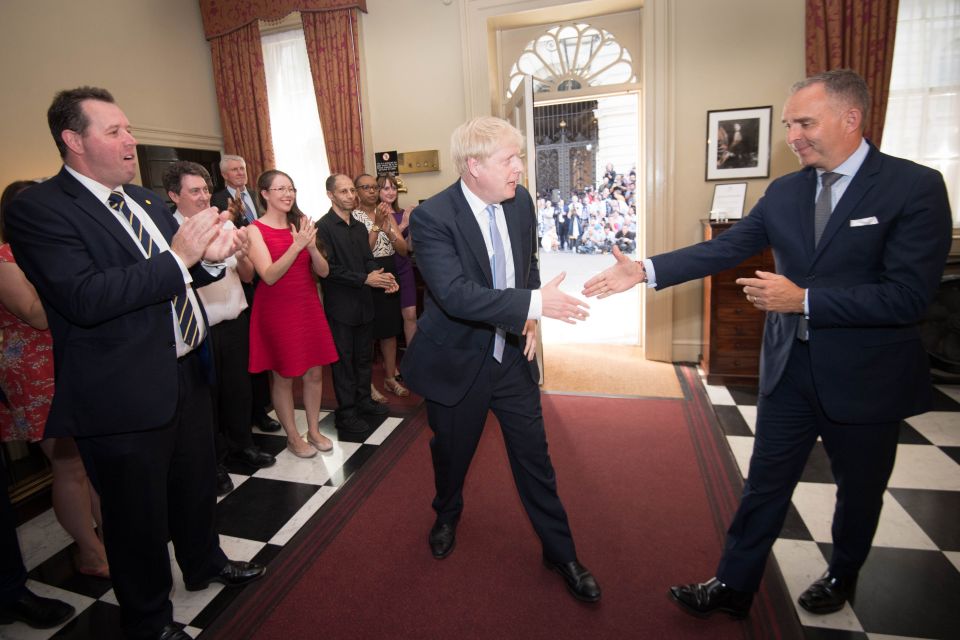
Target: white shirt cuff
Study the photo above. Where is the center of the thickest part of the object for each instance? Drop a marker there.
(535, 312)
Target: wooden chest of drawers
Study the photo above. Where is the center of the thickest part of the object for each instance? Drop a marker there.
(732, 327)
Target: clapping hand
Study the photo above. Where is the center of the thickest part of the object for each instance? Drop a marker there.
(304, 236)
(380, 279)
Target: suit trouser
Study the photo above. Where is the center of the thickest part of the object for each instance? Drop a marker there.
(788, 423)
(156, 486)
(232, 394)
(353, 371)
(13, 575)
(508, 391)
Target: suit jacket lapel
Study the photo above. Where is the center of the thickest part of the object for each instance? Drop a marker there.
(861, 184)
(468, 226)
(97, 211)
(514, 225)
(806, 213)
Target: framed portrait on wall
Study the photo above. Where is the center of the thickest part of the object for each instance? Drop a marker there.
(738, 143)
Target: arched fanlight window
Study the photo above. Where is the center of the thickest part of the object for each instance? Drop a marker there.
(570, 57)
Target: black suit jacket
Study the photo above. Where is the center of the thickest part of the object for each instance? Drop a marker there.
(462, 310)
(108, 307)
(870, 279)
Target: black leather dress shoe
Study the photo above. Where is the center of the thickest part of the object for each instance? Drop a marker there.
(373, 409)
(37, 612)
(254, 457)
(706, 598)
(267, 424)
(580, 582)
(352, 424)
(828, 594)
(173, 631)
(235, 573)
(442, 539)
(224, 483)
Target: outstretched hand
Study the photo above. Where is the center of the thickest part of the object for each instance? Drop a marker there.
(623, 275)
(560, 306)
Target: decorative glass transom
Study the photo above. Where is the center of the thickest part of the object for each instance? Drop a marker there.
(570, 57)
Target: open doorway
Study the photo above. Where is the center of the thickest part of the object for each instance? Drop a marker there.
(587, 194)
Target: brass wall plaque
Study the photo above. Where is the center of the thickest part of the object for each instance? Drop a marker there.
(419, 161)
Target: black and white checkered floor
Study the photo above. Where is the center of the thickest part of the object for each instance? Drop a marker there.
(910, 585)
(263, 512)
(909, 588)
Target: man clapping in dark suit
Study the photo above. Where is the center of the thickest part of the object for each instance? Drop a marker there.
(475, 346)
(860, 240)
(116, 279)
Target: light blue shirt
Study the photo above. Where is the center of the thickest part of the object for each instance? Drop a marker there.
(479, 209)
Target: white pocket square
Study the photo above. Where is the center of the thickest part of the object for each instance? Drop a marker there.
(863, 222)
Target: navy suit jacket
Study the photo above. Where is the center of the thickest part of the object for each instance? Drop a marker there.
(108, 307)
(870, 279)
(462, 309)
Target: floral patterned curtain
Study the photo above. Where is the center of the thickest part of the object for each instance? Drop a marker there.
(242, 95)
(333, 49)
(858, 35)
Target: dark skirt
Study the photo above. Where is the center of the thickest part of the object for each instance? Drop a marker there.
(387, 320)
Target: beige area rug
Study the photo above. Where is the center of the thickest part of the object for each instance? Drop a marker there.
(607, 369)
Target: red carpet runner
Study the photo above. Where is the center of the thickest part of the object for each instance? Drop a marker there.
(630, 478)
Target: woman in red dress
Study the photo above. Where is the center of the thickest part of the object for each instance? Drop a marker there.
(289, 334)
(26, 383)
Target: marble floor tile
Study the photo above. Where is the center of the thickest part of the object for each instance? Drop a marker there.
(801, 563)
(749, 413)
(719, 395)
(383, 431)
(742, 449)
(310, 507)
(40, 538)
(941, 428)
(924, 467)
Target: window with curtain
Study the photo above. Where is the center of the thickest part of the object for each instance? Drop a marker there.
(923, 110)
(294, 121)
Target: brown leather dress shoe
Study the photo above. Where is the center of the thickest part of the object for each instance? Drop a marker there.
(580, 582)
(235, 573)
(706, 598)
(828, 594)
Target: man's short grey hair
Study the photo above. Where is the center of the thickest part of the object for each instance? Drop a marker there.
(227, 157)
(480, 138)
(843, 85)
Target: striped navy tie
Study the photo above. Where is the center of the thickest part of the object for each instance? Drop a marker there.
(186, 316)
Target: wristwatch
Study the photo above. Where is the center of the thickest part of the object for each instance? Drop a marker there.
(375, 229)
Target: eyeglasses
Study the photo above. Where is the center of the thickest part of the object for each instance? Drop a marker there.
(368, 187)
(283, 189)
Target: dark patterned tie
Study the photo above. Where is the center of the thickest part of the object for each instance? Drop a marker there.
(186, 317)
(824, 206)
(251, 216)
(498, 266)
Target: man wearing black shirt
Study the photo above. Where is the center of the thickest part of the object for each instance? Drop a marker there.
(349, 304)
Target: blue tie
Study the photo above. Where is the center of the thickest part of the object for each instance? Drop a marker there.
(498, 267)
(186, 317)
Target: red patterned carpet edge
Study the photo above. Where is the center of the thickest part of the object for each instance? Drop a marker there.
(637, 498)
